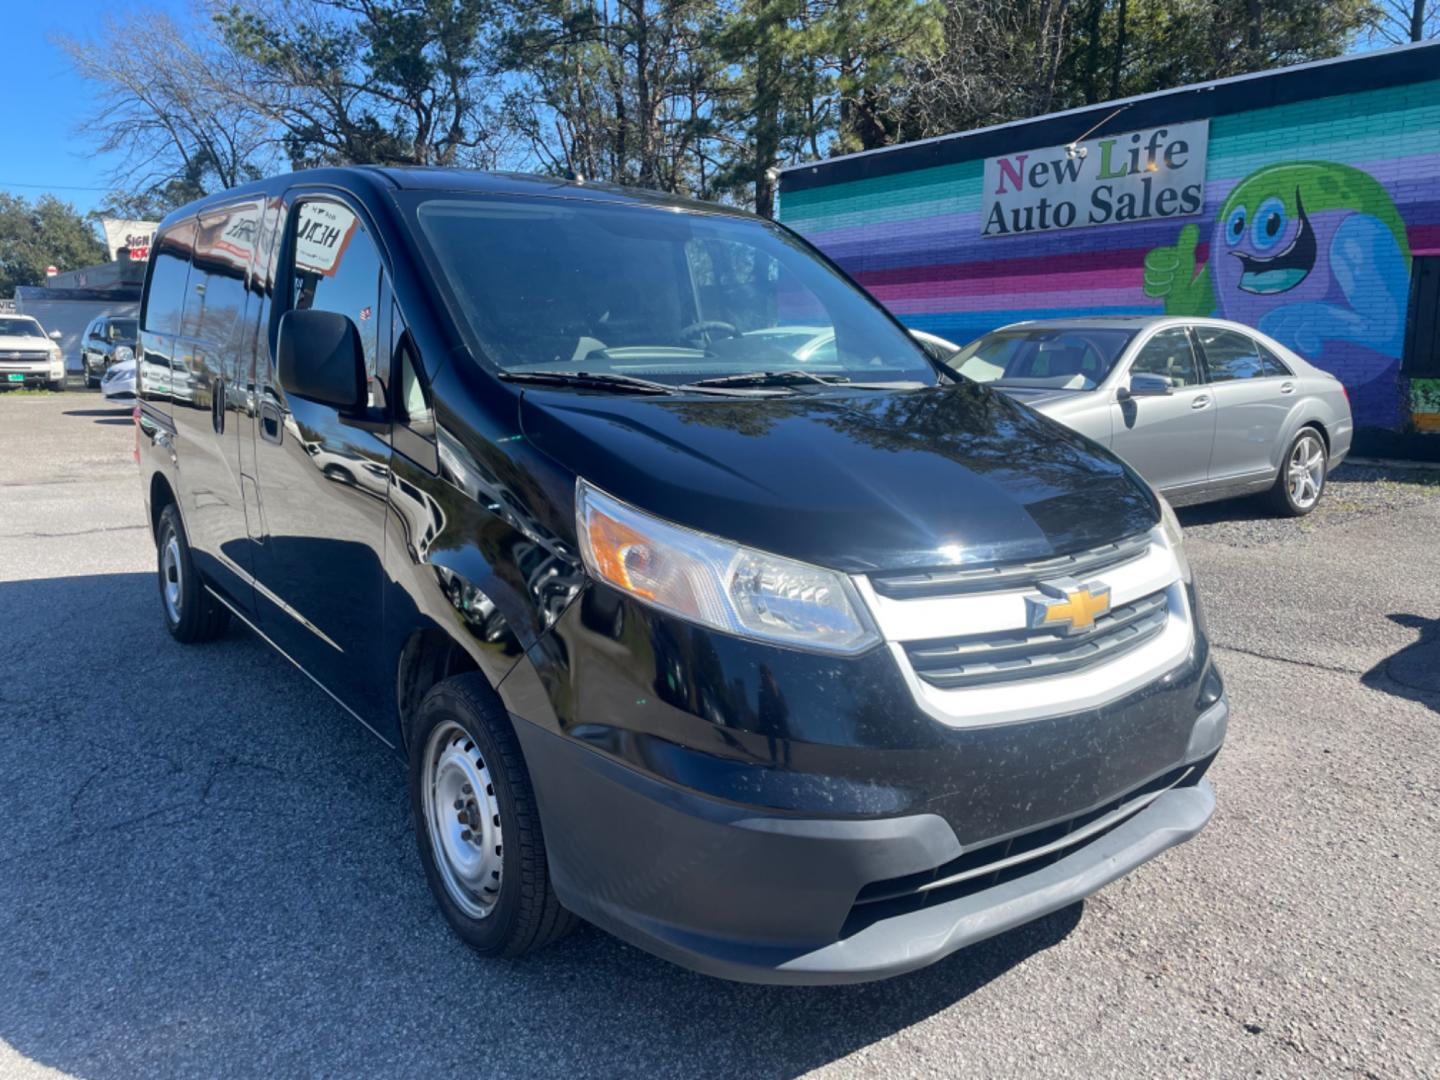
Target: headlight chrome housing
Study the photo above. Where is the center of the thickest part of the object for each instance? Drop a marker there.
(717, 583)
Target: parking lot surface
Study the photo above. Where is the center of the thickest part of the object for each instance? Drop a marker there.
(207, 869)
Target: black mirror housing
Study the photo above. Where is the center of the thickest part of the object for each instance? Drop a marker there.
(320, 358)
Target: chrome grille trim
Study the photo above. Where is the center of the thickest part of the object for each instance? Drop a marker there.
(953, 581)
(971, 661)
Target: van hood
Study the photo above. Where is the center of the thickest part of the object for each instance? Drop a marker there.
(856, 481)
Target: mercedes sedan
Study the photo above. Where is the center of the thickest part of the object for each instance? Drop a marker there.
(1204, 409)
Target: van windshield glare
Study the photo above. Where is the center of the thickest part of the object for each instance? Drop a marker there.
(572, 285)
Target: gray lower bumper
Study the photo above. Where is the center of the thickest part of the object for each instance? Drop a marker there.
(907, 942)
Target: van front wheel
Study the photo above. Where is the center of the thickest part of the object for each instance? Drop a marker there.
(191, 614)
(477, 823)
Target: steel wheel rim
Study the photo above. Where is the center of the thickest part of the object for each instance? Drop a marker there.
(462, 817)
(172, 578)
(1306, 472)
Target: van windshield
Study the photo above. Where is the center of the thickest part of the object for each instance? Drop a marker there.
(20, 328)
(1057, 357)
(673, 297)
(123, 329)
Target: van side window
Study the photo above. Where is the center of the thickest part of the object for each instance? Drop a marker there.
(337, 268)
(165, 297)
(223, 248)
(412, 398)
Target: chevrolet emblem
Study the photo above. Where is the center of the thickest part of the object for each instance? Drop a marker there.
(1067, 605)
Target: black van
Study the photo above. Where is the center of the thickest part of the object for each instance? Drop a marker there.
(702, 603)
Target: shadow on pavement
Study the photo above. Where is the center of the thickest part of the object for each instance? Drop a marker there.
(1414, 671)
(206, 868)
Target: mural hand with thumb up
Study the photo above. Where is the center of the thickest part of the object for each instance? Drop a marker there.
(1170, 275)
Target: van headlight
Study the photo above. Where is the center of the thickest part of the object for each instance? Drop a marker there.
(124, 354)
(717, 583)
(1173, 535)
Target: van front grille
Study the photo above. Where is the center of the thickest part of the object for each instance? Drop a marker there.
(958, 580)
(977, 659)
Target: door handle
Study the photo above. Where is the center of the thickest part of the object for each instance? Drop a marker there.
(1287, 388)
(1200, 401)
(271, 428)
(217, 407)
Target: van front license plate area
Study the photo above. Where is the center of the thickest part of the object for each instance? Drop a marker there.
(16, 376)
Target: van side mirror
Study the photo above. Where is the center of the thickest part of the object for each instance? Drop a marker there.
(54, 335)
(321, 359)
(1142, 385)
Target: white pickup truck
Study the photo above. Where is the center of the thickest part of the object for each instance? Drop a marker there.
(29, 356)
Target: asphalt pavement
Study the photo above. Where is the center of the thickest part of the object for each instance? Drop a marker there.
(207, 869)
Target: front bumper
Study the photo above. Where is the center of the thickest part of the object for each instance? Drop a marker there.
(746, 893)
(29, 375)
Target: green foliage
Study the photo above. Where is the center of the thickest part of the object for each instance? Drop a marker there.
(44, 233)
(702, 97)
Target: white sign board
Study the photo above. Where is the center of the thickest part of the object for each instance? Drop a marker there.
(122, 234)
(1110, 180)
(321, 234)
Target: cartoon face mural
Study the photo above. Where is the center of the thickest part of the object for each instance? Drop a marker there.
(1314, 254)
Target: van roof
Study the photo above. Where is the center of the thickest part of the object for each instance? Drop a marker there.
(378, 179)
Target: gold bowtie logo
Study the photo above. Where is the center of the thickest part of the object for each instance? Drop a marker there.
(1068, 606)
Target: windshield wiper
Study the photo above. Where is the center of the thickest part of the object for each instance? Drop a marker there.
(770, 378)
(590, 380)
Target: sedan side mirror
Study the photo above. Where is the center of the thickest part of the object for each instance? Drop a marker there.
(321, 359)
(1150, 386)
(55, 335)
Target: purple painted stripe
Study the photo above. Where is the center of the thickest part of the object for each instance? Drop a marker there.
(1049, 300)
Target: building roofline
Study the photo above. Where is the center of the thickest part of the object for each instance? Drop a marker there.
(1396, 66)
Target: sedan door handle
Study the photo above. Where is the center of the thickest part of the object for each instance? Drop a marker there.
(1287, 388)
(1200, 401)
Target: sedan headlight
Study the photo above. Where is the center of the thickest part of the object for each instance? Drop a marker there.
(124, 354)
(717, 583)
(1174, 536)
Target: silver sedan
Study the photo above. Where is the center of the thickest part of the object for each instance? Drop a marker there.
(1202, 408)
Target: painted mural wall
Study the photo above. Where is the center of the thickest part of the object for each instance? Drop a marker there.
(1312, 214)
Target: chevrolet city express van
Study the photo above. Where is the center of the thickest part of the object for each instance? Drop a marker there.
(785, 669)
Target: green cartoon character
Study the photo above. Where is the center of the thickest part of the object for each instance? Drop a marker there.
(1314, 254)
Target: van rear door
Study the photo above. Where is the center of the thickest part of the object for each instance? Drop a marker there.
(208, 396)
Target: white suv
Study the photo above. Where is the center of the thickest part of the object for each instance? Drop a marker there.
(28, 356)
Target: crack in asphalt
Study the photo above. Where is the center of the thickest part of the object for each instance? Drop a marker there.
(76, 532)
(1332, 668)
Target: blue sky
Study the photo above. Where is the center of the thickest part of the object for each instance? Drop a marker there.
(45, 101)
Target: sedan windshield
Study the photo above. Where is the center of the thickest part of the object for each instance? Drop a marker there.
(1054, 357)
(20, 328)
(571, 285)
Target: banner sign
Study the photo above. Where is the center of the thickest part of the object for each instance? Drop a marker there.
(1111, 180)
(321, 235)
(132, 236)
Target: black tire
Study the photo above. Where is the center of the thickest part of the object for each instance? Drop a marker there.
(524, 913)
(91, 381)
(1283, 497)
(193, 615)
